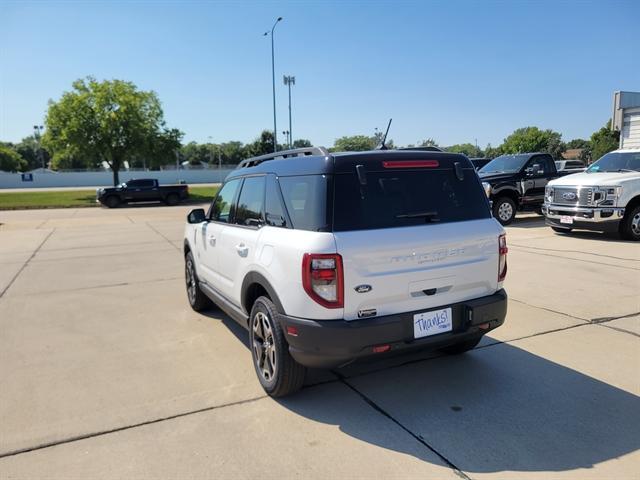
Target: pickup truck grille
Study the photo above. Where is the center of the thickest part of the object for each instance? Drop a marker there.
(572, 196)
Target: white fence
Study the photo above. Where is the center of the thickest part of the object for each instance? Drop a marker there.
(99, 179)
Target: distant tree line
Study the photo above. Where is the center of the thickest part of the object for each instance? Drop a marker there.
(113, 122)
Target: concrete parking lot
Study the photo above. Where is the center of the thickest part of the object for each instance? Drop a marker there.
(105, 372)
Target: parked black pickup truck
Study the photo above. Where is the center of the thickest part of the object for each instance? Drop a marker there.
(517, 182)
(142, 190)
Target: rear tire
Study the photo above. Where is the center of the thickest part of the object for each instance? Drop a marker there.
(504, 210)
(461, 347)
(172, 199)
(630, 225)
(198, 300)
(112, 201)
(561, 230)
(278, 373)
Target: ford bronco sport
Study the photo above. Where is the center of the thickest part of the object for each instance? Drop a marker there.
(329, 257)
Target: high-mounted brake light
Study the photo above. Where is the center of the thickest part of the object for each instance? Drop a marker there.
(323, 280)
(502, 257)
(411, 164)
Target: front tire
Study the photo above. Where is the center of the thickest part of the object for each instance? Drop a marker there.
(198, 300)
(504, 210)
(278, 373)
(461, 347)
(630, 227)
(112, 201)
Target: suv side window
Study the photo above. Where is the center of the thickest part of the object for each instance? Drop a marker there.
(221, 207)
(273, 210)
(251, 202)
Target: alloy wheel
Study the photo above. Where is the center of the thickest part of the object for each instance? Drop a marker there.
(505, 211)
(190, 278)
(264, 347)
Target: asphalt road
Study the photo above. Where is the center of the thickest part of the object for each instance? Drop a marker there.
(105, 372)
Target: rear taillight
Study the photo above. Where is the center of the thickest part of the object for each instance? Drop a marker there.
(322, 279)
(502, 257)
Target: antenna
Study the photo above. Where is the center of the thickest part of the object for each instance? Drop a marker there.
(382, 145)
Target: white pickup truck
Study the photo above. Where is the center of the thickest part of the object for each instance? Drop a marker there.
(605, 198)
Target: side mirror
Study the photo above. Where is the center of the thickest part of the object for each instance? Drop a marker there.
(196, 215)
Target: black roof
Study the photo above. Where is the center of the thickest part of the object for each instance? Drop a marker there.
(342, 162)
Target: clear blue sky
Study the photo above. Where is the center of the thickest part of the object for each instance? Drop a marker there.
(454, 71)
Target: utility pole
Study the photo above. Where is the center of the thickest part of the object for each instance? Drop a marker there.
(290, 80)
(273, 82)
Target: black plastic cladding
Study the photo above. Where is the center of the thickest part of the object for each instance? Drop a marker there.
(347, 161)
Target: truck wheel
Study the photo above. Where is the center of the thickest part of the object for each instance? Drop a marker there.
(278, 372)
(504, 210)
(198, 300)
(630, 227)
(172, 199)
(561, 230)
(112, 201)
(462, 347)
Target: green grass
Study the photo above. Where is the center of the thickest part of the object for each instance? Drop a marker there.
(77, 198)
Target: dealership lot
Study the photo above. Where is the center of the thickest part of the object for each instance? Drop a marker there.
(105, 372)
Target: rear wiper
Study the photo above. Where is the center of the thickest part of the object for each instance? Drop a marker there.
(428, 215)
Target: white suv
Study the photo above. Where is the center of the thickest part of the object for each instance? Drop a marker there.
(327, 258)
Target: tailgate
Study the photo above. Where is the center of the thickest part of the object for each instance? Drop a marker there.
(396, 270)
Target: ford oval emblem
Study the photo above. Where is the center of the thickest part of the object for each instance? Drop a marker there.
(569, 196)
(363, 288)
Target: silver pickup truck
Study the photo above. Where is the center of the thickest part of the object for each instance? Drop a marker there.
(605, 198)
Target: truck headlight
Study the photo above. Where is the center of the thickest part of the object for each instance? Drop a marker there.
(487, 188)
(606, 196)
(548, 194)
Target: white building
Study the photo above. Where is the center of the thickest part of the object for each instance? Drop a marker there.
(626, 118)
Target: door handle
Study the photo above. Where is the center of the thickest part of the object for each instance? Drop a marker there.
(242, 250)
(212, 240)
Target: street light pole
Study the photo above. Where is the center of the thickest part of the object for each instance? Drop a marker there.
(273, 81)
(290, 80)
(37, 131)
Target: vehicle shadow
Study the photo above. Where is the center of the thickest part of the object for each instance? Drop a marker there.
(528, 221)
(498, 408)
(597, 236)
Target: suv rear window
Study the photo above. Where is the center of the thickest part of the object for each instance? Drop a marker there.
(407, 198)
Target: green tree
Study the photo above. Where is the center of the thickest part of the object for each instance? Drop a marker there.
(302, 143)
(232, 152)
(32, 152)
(468, 149)
(604, 141)
(110, 121)
(492, 152)
(577, 143)
(532, 139)
(10, 160)
(355, 143)
(196, 153)
(429, 142)
(261, 145)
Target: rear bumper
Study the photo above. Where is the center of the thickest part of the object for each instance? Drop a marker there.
(332, 343)
(584, 218)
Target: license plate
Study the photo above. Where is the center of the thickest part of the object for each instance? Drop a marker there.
(566, 219)
(432, 323)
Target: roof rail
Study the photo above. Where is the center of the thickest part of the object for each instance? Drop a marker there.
(296, 152)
